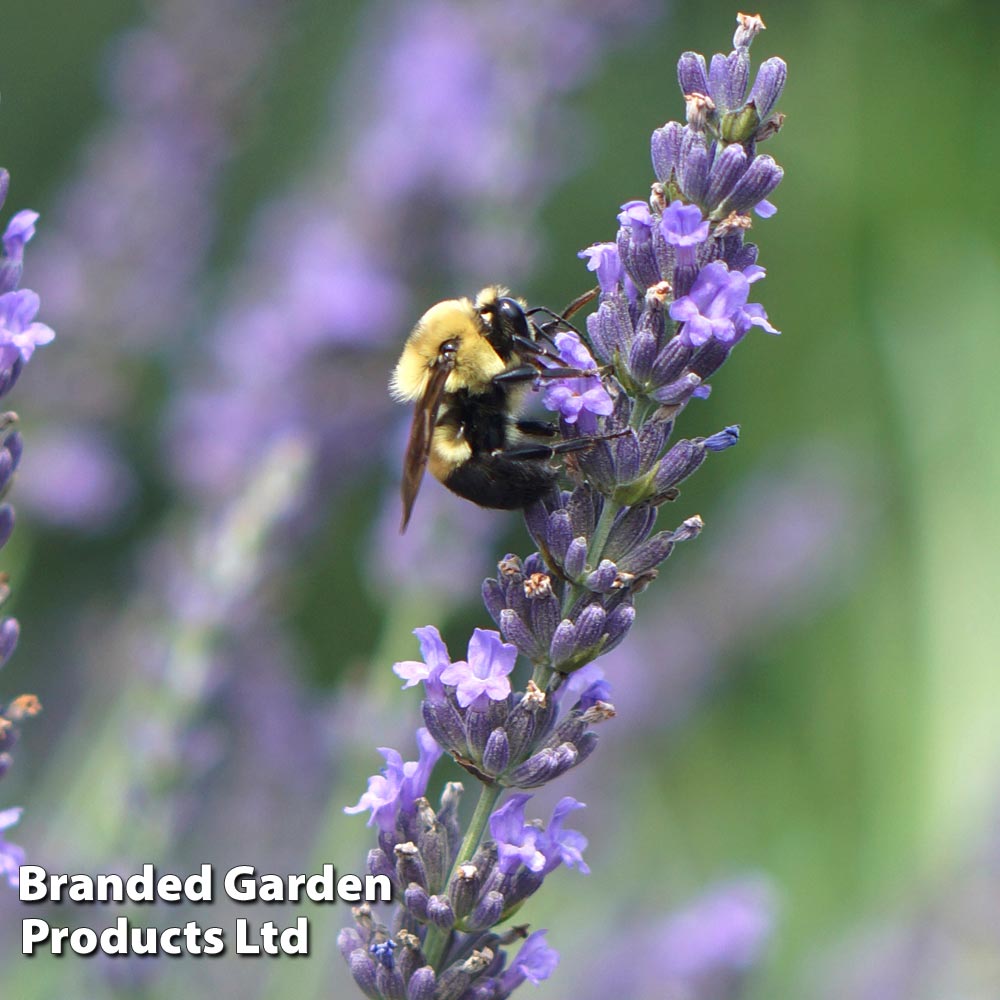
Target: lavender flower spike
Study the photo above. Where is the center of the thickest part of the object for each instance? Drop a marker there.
(20, 334)
(673, 305)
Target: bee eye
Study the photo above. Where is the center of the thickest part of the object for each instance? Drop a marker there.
(512, 315)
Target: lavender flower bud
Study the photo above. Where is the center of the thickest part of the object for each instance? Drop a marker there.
(390, 983)
(692, 172)
(409, 865)
(415, 899)
(495, 600)
(456, 980)
(690, 528)
(516, 631)
(761, 178)
(627, 457)
(576, 557)
(727, 79)
(464, 889)
(681, 461)
(435, 850)
(768, 85)
(529, 717)
(411, 958)
(619, 622)
(727, 169)
(363, 970)
(349, 940)
(422, 984)
(648, 555)
(445, 725)
(496, 755)
(378, 863)
(631, 527)
(478, 726)
(590, 625)
(691, 74)
(543, 767)
(665, 148)
(679, 391)
(487, 912)
(447, 814)
(10, 632)
(602, 580)
(563, 643)
(671, 362)
(440, 913)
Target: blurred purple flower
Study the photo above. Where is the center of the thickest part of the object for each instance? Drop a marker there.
(725, 930)
(132, 229)
(443, 547)
(11, 856)
(76, 478)
(19, 334)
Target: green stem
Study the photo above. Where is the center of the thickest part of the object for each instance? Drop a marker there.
(437, 939)
(640, 411)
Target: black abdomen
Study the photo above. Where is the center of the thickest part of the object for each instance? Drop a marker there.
(501, 483)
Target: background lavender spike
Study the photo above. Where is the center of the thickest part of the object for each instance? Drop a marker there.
(132, 230)
(20, 334)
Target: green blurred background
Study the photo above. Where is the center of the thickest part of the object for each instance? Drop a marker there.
(853, 753)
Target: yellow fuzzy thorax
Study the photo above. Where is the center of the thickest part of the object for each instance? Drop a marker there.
(457, 320)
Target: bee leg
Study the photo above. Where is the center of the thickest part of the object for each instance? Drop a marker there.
(530, 452)
(533, 347)
(528, 373)
(536, 428)
(575, 306)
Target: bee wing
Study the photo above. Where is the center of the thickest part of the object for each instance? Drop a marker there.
(418, 447)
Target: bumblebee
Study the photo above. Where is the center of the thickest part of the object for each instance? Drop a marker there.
(466, 366)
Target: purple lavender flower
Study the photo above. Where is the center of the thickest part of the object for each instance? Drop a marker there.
(396, 788)
(637, 216)
(603, 259)
(19, 334)
(11, 856)
(563, 847)
(684, 227)
(428, 670)
(717, 306)
(515, 838)
(535, 962)
(577, 400)
(483, 677)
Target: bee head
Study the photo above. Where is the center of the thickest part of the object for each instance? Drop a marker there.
(505, 323)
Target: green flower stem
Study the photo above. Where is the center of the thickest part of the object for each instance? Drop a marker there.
(437, 939)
